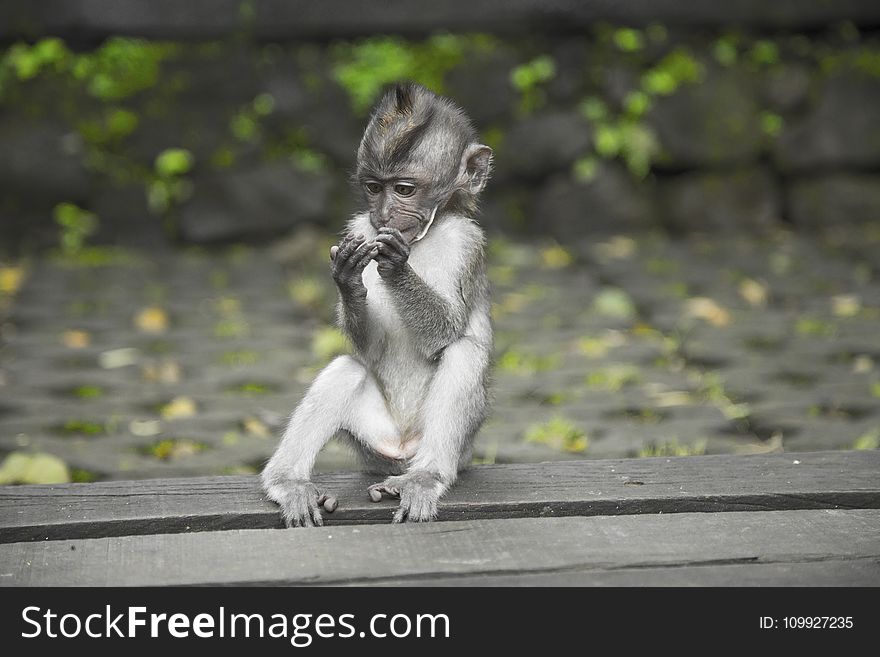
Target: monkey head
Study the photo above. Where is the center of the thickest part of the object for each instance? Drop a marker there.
(419, 156)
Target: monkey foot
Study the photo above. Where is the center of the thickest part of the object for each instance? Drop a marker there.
(301, 502)
(418, 491)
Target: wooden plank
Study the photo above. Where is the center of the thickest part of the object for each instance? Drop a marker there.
(517, 548)
(572, 488)
(828, 572)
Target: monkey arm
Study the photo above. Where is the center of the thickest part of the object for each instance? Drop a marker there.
(433, 319)
(348, 261)
(351, 315)
(436, 313)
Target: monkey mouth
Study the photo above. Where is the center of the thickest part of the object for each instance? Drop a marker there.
(408, 226)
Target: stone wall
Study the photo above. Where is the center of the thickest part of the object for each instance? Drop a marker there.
(748, 121)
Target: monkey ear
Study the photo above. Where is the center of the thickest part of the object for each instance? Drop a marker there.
(476, 165)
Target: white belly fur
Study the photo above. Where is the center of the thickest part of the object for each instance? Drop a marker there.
(403, 371)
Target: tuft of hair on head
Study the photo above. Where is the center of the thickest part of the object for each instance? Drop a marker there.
(412, 128)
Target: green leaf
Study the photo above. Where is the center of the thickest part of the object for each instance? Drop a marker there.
(628, 40)
(264, 104)
(174, 162)
(608, 140)
(121, 123)
(585, 169)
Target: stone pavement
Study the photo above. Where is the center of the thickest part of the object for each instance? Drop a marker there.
(177, 363)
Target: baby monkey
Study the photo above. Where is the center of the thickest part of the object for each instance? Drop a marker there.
(414, 302)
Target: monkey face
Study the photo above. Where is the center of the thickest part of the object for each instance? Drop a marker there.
(400, 204)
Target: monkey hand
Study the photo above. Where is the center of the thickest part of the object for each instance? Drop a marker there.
(393, 252)
(347, 262)
(300, 501)
(418, 490)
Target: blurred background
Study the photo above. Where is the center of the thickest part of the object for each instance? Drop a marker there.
(684, 222)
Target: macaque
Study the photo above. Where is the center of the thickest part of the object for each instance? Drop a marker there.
(414, 302)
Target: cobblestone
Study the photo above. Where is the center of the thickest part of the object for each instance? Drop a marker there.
(175, 364)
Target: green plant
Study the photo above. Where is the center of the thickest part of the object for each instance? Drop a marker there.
(364, 67)
(628, 40)
(623, 134)
(169, 184)
(76, 225)
(529, 79)
(677, 68)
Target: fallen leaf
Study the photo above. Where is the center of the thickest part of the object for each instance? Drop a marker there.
(862, 364)
(707, 309)
(38, 468)
(114, 358)
(11, 279)
(754, 292)
(618, 247)
(772, 446)
(151, 320)
(166, 371)
(75, 339)
(255, 427)
(178, 407)
(555, 257)
(145, 427)
(846, 305)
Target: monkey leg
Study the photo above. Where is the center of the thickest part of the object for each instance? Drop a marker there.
(454, 408)
(342, 397)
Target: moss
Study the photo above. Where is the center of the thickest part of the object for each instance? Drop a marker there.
(97, 256)
(83, 427)
(88, 392)
(80, 476)
(613, 378)
(560, 434)
(815, 327)
(239, 358)
(253, 388)
(231, 328)
(521, 363)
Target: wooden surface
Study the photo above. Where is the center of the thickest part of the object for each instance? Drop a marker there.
(766, 547)
(820, 480)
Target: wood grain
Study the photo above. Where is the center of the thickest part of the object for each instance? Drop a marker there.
(817, 480)
(768, 547)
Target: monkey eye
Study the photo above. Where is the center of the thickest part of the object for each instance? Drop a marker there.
(402, 189)
(373, 187)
